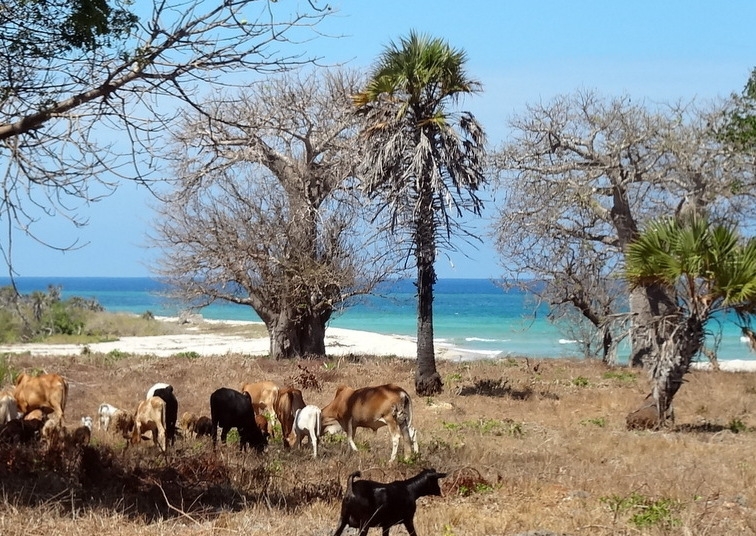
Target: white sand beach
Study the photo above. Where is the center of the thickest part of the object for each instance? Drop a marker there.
(339, 341)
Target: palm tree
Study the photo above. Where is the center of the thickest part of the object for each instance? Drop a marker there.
(424, 164)
(710, 270)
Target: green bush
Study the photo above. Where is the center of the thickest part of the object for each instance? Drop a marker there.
(41, 314)
(7, 372)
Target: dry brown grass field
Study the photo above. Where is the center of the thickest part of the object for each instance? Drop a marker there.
(529, 445)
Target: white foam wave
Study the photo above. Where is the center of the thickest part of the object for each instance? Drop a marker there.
(481, 339)
(465, 354)
(569, 341)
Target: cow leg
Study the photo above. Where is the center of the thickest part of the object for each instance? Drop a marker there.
(396, 436)
(413, 438)
(314, 441)
(340, 528)
(409, 435)
(160, 439)
(394, 446)
(224, 434)
(350, 436)
(136, 436)
(409, 525)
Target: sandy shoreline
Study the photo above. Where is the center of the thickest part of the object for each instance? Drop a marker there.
(339, 341)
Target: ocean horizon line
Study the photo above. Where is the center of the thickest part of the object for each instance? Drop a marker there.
(471, 314)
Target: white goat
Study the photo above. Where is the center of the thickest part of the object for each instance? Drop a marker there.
(105, 413)
(307, 421)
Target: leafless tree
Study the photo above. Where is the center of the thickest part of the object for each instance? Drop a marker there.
(266, 213)
(74, 121)
(582, 174)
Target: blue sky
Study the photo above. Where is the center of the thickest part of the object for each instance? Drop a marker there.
(521, 51)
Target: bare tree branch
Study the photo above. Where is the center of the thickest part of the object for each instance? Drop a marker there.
(72, 125)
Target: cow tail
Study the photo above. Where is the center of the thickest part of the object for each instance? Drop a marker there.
(64, 400)
(404, 411)
(350, 481)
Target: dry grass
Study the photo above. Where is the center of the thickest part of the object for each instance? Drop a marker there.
(528, 445)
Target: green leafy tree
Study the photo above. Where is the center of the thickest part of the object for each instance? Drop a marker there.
(740, 128)
(36, 30)
(709, 269)
(424, 163)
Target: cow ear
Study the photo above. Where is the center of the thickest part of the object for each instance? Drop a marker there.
(441, 475)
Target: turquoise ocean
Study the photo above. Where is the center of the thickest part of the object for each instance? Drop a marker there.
(473, 315)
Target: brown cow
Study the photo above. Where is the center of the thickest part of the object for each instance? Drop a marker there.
(150, 415)
(36, 415)
(47, 392)
(187, 423)
(203, 426)
(288, 402)
(265, 428)
(122, 422)
(371, 407)
(263, 394)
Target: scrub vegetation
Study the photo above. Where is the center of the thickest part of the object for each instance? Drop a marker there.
(528, 445)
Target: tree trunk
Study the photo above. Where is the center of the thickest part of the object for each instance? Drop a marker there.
(427, 379)
(300, 335)
(649, 304)
(675, 355)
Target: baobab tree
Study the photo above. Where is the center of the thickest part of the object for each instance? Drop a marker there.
(582, 175)
(265, 212)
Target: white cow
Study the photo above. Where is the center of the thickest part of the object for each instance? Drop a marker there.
(105, 414)
(151, 391)
(307, 421)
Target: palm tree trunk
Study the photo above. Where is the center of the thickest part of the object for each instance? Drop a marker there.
(667, 373)
(648, 304)
(427, 379)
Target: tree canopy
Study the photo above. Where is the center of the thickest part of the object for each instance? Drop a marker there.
(265, 212)
(583, 174)
(99, 83)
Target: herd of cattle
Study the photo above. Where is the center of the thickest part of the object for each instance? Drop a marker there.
(35, 410)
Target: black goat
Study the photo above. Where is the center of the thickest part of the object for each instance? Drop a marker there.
(374, 504)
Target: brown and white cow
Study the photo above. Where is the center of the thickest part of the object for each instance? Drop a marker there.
(47, 392)
(122, 422)
(263, 394)
(150, 415)
(288, 402)
(371, 407)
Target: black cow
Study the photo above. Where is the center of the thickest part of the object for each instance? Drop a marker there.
(373, 504)
(171, 411)
(232, 409)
